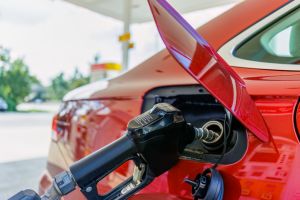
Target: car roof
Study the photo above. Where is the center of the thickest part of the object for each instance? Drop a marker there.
(226, 26)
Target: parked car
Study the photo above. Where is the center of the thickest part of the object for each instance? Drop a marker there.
(3, 105)
(258, 39)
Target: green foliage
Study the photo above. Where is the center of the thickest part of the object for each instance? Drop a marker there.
(78, 80)
(15, 79)
(60, 85)
(16, 82)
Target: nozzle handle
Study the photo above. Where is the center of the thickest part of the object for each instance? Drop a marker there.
(102, 162)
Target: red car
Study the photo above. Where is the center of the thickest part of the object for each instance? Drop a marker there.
(258, 56)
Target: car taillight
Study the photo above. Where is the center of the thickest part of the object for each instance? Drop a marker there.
(54, 131)
(60, 128)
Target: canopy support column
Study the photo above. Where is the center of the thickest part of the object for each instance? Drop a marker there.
(126, 28)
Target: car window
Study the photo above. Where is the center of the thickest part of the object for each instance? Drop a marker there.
(278, 43)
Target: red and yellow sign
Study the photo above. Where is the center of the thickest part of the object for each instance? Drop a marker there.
(106, 66)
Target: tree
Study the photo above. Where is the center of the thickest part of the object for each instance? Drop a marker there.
(61, 86)
(4, 56)
(58, 88)
(15, 79)
(78, 79)
(17, 84)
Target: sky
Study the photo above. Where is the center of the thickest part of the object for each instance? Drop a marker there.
(53, 36)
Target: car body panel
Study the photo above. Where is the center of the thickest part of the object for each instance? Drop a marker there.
(170, 184)
(236, 20)
(94, 125)
(267, 170)
(203, 63)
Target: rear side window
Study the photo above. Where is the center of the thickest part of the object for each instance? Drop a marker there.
(278, 43)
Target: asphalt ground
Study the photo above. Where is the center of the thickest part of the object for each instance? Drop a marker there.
(24, 143)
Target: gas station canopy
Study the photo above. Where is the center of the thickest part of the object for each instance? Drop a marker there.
(139, 8)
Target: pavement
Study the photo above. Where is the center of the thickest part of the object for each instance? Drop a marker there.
(19, 175)
(44, 106)
(24, 143)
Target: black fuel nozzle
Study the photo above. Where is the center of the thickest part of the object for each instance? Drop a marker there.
(156, 137)
(160, 135)
(154, 140)
(211, 135)
(206, 135)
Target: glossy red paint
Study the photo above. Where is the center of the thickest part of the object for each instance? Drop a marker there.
(226, 26)
(170, 184)
(297, 120)
(199, 59)
(85, 126)
(267, 170)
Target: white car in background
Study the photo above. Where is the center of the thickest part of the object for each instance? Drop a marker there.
(3, 105)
